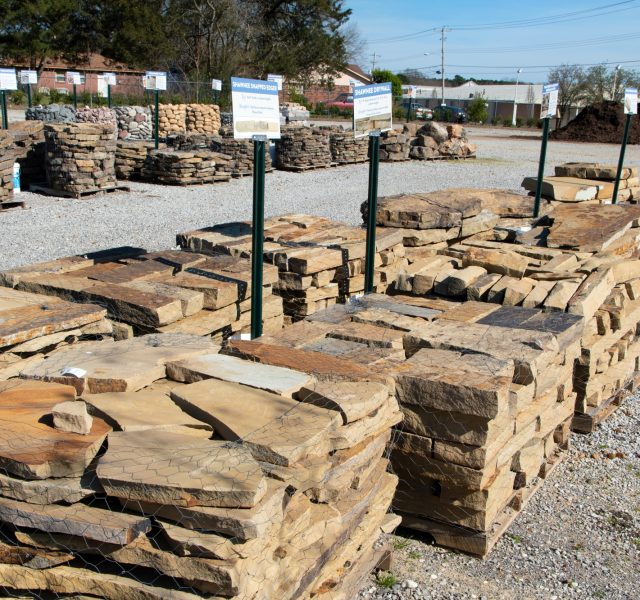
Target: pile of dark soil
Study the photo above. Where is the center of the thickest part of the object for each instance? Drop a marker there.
(600, 123)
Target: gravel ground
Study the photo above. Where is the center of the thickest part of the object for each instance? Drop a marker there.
(579, 537)
(150, 215)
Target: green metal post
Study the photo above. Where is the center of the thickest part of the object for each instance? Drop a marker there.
(75, 96)
(5, 116)
(156, 120)
(29, 95)
(623, 148)
(257, 241)
(409, 111)
(109, 96)
(374, 160)
(543, 158)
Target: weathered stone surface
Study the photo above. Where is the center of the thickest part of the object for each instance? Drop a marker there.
(479, 289)
(369, 335)
(503, 262)
(228, 368)
(472, 384)
(45, 491)
(516, 291)
(72, 417)
(29, 445)
(170, 468)
(119, 367)
(276, 429)
(559, 188)
(560, 294)
(469, 312)
(192, 301)
(457, 283)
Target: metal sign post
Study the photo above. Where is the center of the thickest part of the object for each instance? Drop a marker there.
(109, 95)
(5, 116)
(28, 77)
(548, 110)
(156, 119)
(8, 81)
(370, 259)
(257, 237)
(29, 101)
(75, 96)
(630, 109)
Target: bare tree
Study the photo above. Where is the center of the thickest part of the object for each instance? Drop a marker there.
(571, 79)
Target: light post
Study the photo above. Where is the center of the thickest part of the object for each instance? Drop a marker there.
(615, 82)
(515, 99)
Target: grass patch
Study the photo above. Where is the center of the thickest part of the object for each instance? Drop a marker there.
(386, 580)
(414, 554)
(399, 544)
(516, 538)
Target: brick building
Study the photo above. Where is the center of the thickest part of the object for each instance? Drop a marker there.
(330, 90)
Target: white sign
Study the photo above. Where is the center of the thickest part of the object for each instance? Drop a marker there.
(216, 85)
(549, 106)
(256, 109)
(372, 108)
(277, 79)
(29, 77)
(110, 78)
(8, 80)
(631, 101)
(411, 91)
(73, 77)
(155, 80)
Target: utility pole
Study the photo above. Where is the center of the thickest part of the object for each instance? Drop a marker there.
(373, 62)
(442, 39)
(515, 100)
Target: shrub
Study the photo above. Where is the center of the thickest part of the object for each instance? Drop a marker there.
(477, 111)
(506, 122)
(18, 97)
(531, 122)
(299, 99)
(519, 122)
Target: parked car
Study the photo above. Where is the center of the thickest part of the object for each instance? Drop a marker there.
(424, 114)
(343, 101)
(449, 114)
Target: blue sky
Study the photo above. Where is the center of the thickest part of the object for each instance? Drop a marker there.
(553, 32)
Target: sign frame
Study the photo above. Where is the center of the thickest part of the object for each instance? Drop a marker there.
(279, 79)
(28, 77)
(155, 81)
(549, 105)
(372, 109)
(73, 77)
(8, 80)
(256, 108)
(216, 85)
(630, 101)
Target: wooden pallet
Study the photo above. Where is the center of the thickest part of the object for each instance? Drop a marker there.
(447, 158)
(589, 421)
(480, 543)
(47, 191)
(296, 169)
(12, 204)
(237, 174)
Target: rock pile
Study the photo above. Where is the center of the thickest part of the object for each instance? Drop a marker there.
(320, 262)
(587, 182)
(395, 145)
(130, 157)
(29, 146)
(7, 158)
(434, 141)
(287, 502)
(346, 150)
(51, 113)
(241, 153)
(302, 148)
(80, 157)
(134, 122)
(202, 118)
(164, 292)
(100, 115)
(172, 119)
(185, 167)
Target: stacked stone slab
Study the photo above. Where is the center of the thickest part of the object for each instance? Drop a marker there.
(587, 182)
(202, 118)
(395, 145)
(434, 141)
(486, 395)
(134, 122)
(29, 146)
(7, 158)
(130, 157)
(100, 114)
(172, 119)
(80, 157)
(320, 262)
(185, 167)
(287, 502)
(241, 153)
(59, 113)
(292, 111)
(346, 150)
(33, 327)
(164, 292)
(302, 148)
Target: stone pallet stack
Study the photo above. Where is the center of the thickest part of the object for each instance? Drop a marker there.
(302, 148)
(434, 141)
(202, 118)
(395, 145)
(241, 153)
(320, 262)
(186, 167)
(80, 157)
(587, 182)
(172, 119)
(578, 259)
(346, 150)
(60, 113)
(292, 111)
(33, 327)
(29, 146)
(288, 501)
(485, 391)
(100, 114)
(7, 158)
(168, 292)
(134, 122)
(130, 157)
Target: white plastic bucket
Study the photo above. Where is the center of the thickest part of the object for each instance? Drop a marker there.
(16, 178)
